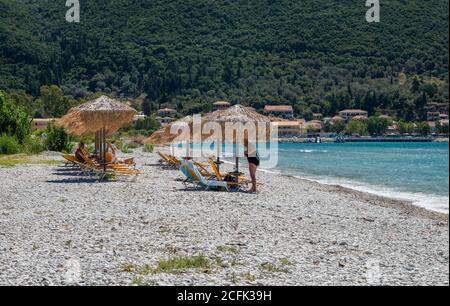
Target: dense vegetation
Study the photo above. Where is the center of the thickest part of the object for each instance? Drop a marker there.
(17, 136)
(317, 55)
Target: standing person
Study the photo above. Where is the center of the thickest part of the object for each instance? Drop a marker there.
(253, 161)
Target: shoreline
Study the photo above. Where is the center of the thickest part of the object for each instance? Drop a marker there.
(361, 140)
(404, 206)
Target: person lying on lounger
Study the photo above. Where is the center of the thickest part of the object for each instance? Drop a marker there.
(111, 155)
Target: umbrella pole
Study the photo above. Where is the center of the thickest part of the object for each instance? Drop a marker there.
(96, 144)
(218, 144)
(237, 157)
(100, 149)
(104, 148)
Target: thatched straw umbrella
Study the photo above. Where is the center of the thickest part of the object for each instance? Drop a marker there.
(102, 116)
(234, 114)
(239, 114)
(163, 136)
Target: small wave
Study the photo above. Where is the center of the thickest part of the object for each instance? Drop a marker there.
(427, 201)
(313, 151)
(430, 202)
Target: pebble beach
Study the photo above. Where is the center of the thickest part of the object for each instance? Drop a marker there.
(59, 228)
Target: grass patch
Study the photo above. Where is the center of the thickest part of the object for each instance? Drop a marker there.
(140, 281)
(127, 267)
(270, 267)
(227, 249)
(20, 159)
(249, 277)
(148, 148)
(233, 278)
(286, 262)
(163, 230)
(180, 264)
(174, 265)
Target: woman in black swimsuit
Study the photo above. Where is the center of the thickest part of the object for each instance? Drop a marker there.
(253, 162)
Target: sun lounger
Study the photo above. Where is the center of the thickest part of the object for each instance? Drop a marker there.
(199, 181)
(242, 180)
(111, 168)
(195, 177)
(169, 161)
(69, 160)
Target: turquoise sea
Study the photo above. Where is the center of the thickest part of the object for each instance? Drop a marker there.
(418, 172)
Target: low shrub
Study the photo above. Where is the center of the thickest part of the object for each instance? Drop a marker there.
(33, 145)
(149, 147)
(9, 145)
(57, 139)
(123, 147)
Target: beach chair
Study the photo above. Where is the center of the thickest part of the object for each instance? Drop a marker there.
(201, 181)
(169, 160)
(174, 162)
(195, 177)
(69, 160)
(110, 168)
(216, 171)
(242, 180)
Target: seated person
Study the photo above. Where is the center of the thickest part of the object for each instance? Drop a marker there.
(111, 155)
(80, 152)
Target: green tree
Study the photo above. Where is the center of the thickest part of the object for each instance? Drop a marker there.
(14, 121)
(404, 127)
(338, 127)
(377, 126)
(442, 128)
(357, 127)
(54, 103)
(57, 139)
(422, 128)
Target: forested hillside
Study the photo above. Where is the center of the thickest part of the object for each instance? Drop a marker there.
(317, 55)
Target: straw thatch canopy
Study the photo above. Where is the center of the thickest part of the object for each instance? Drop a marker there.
(234, 114)
(92, 116)
(163, 136)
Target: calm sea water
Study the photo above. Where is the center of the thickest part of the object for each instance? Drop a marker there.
(418, 172)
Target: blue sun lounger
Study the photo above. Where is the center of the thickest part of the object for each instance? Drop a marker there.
(194, 177)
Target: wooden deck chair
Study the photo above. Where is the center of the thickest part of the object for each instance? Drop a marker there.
(168, 161)
(111, 168)
(220, 177)
(69, 160)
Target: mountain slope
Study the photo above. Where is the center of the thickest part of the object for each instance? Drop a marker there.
(306, 53)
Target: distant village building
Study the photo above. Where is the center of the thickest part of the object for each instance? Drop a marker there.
(359, 117)
(40, 124)
(433, 116)
(314, 125)
(348, 114)
(164, 121)
(434, 107)
(139, 116)
(444, 121)
(337, 119)
(288, 128)
(221, 105)
(385, 117)
(317, 116)
(282, 111)
(167, 112)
